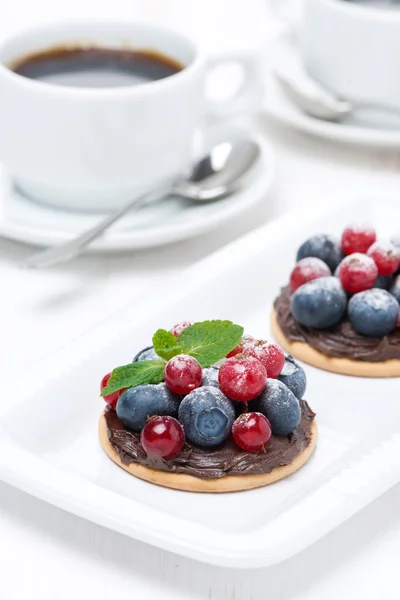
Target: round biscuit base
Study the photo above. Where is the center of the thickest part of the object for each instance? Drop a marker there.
(343, 366)
(188, 483)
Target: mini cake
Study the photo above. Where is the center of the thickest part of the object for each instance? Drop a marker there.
(174, 418)
(340, 310)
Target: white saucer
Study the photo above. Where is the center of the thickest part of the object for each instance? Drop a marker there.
(170, 220)
(278, 107)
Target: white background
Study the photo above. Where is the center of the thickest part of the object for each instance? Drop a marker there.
(48, 554)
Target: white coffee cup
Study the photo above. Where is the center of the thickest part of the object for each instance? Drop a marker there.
(353, 49)
(95, 148)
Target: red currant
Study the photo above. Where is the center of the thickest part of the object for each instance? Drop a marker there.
(242, 378)
(182, 374)
(179, 327)
(235, 351)
(252, 431)
(162, 437)
(386, 257)
(111, 399)
(357, 238)
(246, 339)
(306, 270)
(357, 273)
(270, 355)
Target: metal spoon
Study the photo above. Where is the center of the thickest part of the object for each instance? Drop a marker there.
(216, 175)
(313, 99)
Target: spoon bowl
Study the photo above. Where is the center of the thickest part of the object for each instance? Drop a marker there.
(318, 102)
(312, 99)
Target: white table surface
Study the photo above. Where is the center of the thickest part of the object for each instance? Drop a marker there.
(48, 554)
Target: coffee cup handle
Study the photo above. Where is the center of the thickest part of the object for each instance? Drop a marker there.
(250, 94)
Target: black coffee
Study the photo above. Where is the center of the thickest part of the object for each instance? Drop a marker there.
(96, 67)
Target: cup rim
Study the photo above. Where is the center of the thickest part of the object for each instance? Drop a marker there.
(144, 88)
(368, 12)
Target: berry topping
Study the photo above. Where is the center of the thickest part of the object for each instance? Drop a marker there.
(112, 399)
(235, 351)
(357, 238)
(270, 355)
(246, 339)
(251, 431)
(162, 437)
(210, 376)
(294, 377)
(139, 403)
(207, 416)
(308, 269)
(280, 406)
(179, 327)
(320, 303)
(182, 374)
(325, 247)
(242, 378)
(374, 312)
(358, 272)
(146, 354)
(386, 257)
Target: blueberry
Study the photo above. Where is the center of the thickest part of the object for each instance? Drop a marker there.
(146, 354)
(294, 377)
(210, 376)
(320, 303)
(280, 406)
(373, 312)
(325, 247)
(142, 401)
(207, 416)
(395, 289)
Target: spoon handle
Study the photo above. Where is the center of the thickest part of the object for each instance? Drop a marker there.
(64, 252)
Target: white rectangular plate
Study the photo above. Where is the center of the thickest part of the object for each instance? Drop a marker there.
(49, 445)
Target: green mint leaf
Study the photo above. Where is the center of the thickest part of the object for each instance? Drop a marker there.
(138, 373)
(165, 344)
(210, 341)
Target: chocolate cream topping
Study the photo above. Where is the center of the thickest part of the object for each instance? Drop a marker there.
(211, 463)
(341, 340)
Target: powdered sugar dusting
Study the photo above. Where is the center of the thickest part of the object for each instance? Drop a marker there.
(384, 248)
(311, 264)
(277, 391)
(288, 369)
(384, 245)
(182, 361)
(320, 239)
(357, 259)
(179, 327)
(201, 398)
(376, 298)
(322, 284)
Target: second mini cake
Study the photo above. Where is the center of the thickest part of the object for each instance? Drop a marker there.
(340, 309)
